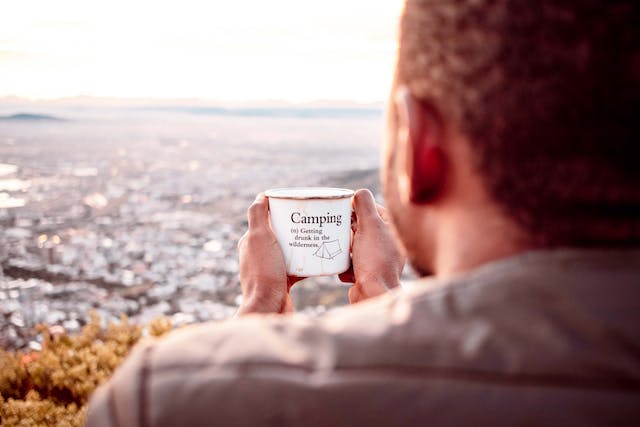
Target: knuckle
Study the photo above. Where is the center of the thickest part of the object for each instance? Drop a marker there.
(253, 235)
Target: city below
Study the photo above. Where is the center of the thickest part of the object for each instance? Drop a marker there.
(140, 214)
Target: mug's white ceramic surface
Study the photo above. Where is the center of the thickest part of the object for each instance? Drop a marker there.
(313, 228)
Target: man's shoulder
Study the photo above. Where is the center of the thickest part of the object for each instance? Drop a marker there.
(528, 323)
(260, 362)
(487, 320)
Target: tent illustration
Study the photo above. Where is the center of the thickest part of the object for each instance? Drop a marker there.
(328, 250)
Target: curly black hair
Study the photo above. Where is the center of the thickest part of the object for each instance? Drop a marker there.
(547, 94)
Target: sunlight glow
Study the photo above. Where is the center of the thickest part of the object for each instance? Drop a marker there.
(226, 50)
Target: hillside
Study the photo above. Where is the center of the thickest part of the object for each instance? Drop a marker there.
(30, 117)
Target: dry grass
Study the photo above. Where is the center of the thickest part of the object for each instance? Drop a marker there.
(53, 386)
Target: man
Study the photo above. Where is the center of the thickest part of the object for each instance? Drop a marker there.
(510, 176)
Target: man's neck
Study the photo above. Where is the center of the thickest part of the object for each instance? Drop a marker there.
(470, 236)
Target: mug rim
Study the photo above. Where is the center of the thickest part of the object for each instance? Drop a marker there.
(281, 193)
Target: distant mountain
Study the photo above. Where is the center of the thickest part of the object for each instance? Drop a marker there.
(31, 117)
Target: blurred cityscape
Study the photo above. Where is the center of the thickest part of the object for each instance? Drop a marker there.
(139, 212)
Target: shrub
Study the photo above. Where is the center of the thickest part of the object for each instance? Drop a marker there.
(53, 386)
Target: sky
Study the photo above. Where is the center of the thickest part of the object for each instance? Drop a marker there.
(228, 50)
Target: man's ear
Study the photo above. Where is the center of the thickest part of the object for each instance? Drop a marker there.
(419, 142)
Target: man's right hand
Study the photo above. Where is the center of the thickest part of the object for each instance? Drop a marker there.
(263, 275)
(377, 262)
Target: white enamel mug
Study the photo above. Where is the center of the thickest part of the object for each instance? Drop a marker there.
(313, 228)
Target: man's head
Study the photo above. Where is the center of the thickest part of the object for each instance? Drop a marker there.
(545, 99)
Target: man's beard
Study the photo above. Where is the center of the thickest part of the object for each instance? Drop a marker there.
(398, 227)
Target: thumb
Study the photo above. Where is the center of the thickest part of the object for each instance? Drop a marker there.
(365, 206)
(258, 213)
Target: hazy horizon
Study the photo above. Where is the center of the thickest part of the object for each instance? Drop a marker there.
(84, 108)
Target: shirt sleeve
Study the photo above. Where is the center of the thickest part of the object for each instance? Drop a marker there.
(120, 401)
